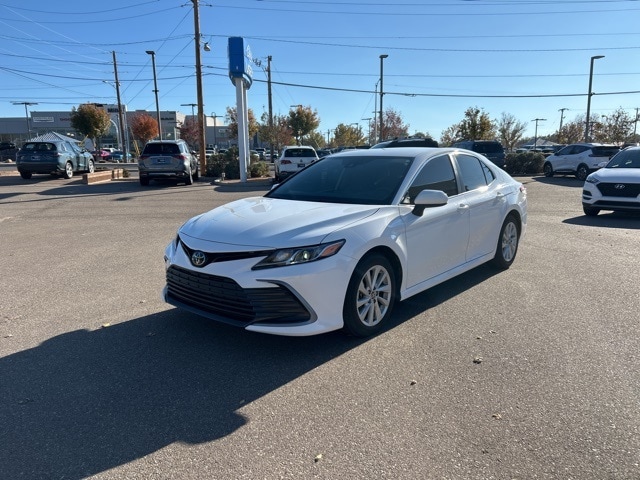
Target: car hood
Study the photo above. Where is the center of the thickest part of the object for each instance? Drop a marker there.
(618, 175)
(260, 222)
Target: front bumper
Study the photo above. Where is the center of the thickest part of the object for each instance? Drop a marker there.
(606, 196)
(296, 300)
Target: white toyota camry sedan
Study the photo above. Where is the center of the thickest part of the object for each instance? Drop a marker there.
(336, 244)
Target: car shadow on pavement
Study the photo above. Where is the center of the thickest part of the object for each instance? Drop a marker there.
(87, 401)
(568, 181)
(625, 220)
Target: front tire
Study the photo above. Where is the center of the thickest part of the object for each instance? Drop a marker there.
(582, 172)
(547, 169)
(68, 170)
(590, 211)
(507, 243)
(370, 296)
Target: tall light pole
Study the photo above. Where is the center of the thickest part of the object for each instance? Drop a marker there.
(382, 57)
(155, 86)
(590, 93)
(26, 114)
(535, 138)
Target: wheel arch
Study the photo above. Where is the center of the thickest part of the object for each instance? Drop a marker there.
(396, 264)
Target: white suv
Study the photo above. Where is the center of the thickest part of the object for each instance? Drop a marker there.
(293, 159)
(578, 159)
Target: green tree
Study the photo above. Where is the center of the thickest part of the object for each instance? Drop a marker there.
(616, 127)
(232, 122)
(347, 135)
(476, 125)
(302, 121)
(510, 130)
(316, 140)
(449, 136)
(277, 135)
(90, 120)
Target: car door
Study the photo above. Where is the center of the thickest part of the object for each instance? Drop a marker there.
(559, 160)
(486, 205)
(80, 161)
(436, 240)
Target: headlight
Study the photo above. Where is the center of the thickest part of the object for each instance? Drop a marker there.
(592, 179)
(297, 255)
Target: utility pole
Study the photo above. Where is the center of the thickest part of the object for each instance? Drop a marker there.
(562, 110)
(201, 139)
(123, 126)
(270, 109)
(635, 124)
(26, 114)
(535, 138)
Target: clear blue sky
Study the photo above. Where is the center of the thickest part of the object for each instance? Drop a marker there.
(525, 57)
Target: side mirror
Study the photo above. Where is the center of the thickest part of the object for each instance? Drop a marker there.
(429, 199)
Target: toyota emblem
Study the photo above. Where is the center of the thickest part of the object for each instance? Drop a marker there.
(619, 186)
(198, 258)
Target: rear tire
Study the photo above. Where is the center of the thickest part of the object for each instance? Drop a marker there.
(26, 175)
(144, 181)
(370, 296)
(507, 243)
(68, 170)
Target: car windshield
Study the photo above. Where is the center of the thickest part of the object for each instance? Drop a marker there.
(369, 180)
(626, 159)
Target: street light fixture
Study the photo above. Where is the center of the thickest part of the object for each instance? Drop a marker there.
(192, 105)
(155, 85)
(26, 113)
(382, 57)
(590, 93)
(535, 138)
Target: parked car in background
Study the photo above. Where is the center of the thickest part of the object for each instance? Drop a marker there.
(7, 146)
(323, 152)
(209, 152)
(293, 159)
(261, 152)
(117, 156)
(407, 142)
(492, 149)
(101, 155)
(578, 159)
(616, 186)
(168, 159)
(339, 242)
(53, 157)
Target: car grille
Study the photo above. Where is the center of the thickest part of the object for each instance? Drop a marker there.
(610, 190)
(222, 299)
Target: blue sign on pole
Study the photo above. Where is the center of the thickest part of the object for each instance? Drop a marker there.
(240, 60)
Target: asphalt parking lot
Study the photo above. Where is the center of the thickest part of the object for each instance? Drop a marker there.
(529, 373)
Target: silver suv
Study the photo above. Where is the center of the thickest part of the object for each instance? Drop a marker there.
(578, 159)
(170, 159)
